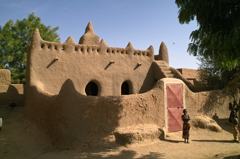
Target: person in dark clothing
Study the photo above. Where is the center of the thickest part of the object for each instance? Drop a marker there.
(234, 123)
(235, 106)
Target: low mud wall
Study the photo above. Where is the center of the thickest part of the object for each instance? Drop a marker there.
(13, 93)
(210, 103)
(71, 117)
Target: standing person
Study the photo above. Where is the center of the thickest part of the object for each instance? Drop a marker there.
(235, 106)
(186, 126)
(0, 123)
(230, 108)
(234, 123)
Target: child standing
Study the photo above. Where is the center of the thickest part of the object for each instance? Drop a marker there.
(186, 126)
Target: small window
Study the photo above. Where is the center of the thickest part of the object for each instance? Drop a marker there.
(91, 89)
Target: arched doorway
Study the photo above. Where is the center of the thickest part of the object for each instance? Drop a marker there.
(125, 89)
(91, 89)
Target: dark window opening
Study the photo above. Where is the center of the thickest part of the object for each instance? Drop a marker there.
(125, 88)
(91, 89)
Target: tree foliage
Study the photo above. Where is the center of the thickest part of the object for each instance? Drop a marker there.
(218, 36)
(14, 39)
(214, 77)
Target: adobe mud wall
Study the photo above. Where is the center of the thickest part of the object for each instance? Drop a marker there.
(71, 118)
(192, 75)
(5, 77)
(10, 93)
(189, 73)
(210, 103)
(51, 64)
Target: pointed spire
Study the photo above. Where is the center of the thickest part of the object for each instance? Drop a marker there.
(150, 48)
(150, 51)
(163, 45)
(89, 38)
(70, 40)
(129, 49)
(103, 43)
(89, 28)
(163, 53)
(36, 38)
(36, 35)
(130, 45)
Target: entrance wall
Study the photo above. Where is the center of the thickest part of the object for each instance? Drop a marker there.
(208, 103)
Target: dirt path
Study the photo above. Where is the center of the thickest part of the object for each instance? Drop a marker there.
(20, 139)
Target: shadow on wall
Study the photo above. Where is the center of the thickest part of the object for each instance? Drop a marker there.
(224, 124)
(87, 117)
(72, 119)
(11, 95)
(149, 81)
(217, 102)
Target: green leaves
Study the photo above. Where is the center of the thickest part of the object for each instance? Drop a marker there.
(14, 39)
(217, 41)
(219, 29)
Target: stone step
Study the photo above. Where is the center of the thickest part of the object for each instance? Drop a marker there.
(167, 72)
(171, 76)
(161, 63)
(165, 68)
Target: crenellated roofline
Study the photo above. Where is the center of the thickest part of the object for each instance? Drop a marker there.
(101, 48)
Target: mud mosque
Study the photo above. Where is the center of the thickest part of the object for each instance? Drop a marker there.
(89, 91)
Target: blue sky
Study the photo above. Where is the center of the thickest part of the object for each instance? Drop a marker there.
(141, 22)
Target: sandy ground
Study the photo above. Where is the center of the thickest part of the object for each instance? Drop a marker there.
(20, 139)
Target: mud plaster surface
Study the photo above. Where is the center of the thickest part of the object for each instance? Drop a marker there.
(21, 139)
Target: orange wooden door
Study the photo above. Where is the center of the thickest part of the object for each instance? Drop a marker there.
(175, 107)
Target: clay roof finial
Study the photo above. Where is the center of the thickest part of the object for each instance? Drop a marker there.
(36, 34)
(89, 38)
(70, 40)
(36, 38)
(150, 48)
(163, 53)
(102, 42)
(89, 28)
(130, 45)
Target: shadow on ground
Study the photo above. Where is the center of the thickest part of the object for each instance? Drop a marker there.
(172, 141)
(232, 157)
(127, 154)
(222, 141)
(224, 124)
